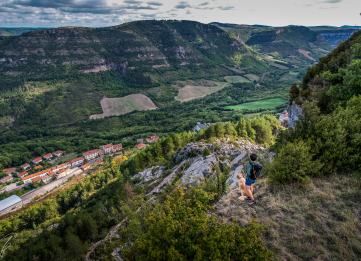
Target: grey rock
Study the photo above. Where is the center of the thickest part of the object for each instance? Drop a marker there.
(293, 113)
(232, 181)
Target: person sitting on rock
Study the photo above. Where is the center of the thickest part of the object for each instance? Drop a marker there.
(251, 179)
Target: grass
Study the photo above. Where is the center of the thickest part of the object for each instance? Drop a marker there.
(279, 61)
(123, 105)
(67, 158)
(262, 104)
(316, 221)
(235, 79)
(190, 92)
(252, 77)
(294, 73)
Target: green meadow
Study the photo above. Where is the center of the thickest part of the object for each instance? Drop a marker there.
(263, 104)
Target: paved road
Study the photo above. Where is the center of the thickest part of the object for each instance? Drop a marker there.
(13, 187)
(28, 197)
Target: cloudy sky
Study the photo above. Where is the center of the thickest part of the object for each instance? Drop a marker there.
(99, 13)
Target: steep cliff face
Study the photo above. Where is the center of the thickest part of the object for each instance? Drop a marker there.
(142, 43)
(334, 37)
(294, 111)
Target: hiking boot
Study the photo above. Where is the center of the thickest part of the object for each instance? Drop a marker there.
(252, 202)
(249, 198)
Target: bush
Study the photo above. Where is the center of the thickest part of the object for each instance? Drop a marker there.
(294, 163)
(206, 152)
(181, 229)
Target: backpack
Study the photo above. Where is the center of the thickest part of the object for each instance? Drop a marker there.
(256, 171)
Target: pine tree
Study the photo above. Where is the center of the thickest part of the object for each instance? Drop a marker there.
(219, 130)
(294, 92)
(242, 128)
(251, 133)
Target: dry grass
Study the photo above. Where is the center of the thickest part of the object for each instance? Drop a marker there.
(190, 92)
(317, 221)
(306, 54)
(118, 106)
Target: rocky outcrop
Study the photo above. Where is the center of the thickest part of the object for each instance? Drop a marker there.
(294, 111)
(152, 173)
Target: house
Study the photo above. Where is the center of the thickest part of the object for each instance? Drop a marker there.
(10, 204)
(51, 174)
(77, 161)
(22, 174)
(37, 161)
(85, 167)
(58, 153)
(100, 152)
(155, 138)
(9, 171)
(26, 166)
(90, 154)
(149, 140)
(45, 179)
(200, 126)
(140, 145)
(47, 156)
(118, 147)
(36, 179)
(139, 140)
(107, 148)
(27, 179)
(38, 167)
(99, 162)
(6, 179)
(283, 118)
(62, 173)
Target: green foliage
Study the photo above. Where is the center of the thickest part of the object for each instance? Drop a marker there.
(294, 162)
(206, 152)
(217, 182)
(181, 230)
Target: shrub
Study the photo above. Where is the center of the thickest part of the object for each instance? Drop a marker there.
(206, 152)
(181, 229)
(294, 163)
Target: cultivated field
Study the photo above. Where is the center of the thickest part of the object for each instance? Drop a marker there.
(263, 104)
(236, 79)
(190, 92)
(252, 77)
(306, 54)
(294, 73)
(118, 106)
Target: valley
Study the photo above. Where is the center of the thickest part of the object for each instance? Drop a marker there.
(187, 103)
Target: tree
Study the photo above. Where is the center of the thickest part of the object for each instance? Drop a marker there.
(294, 92)
(181, 229)
(39, 151)
(242, 128)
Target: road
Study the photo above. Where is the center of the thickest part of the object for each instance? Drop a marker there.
(13, 187)
(28, 197)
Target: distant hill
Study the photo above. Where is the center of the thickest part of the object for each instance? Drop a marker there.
(335, 35)
(15, 31)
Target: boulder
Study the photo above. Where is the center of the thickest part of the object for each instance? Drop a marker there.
(147, 175)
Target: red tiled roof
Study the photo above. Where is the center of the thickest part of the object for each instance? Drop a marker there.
(85, 166)
(38, 167)
(61, 171)
(107, 146)
(155, 138)
(90, 152)
(285, 115)
(32, 175)
(140, 145)
(36, 179)
(48, 155)
(23, 173)
(50, 174)
(37, 159)
(57, 152)
(10, 170)
(75, 160)
(5, 179)
(25, 165)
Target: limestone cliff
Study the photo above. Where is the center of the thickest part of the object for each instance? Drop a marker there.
(294, 111)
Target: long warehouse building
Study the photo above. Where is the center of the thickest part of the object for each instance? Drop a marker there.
(9, 204)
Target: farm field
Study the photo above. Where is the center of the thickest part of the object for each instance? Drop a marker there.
(235, 79)
(294, 73)
(252, 77)
(190, 92)
(123, 105)
(262, 104)
(306, 54)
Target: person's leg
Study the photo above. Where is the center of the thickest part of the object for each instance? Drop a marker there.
(249, 191)
(252, 187)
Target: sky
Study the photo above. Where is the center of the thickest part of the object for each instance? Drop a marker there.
(102, 13)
